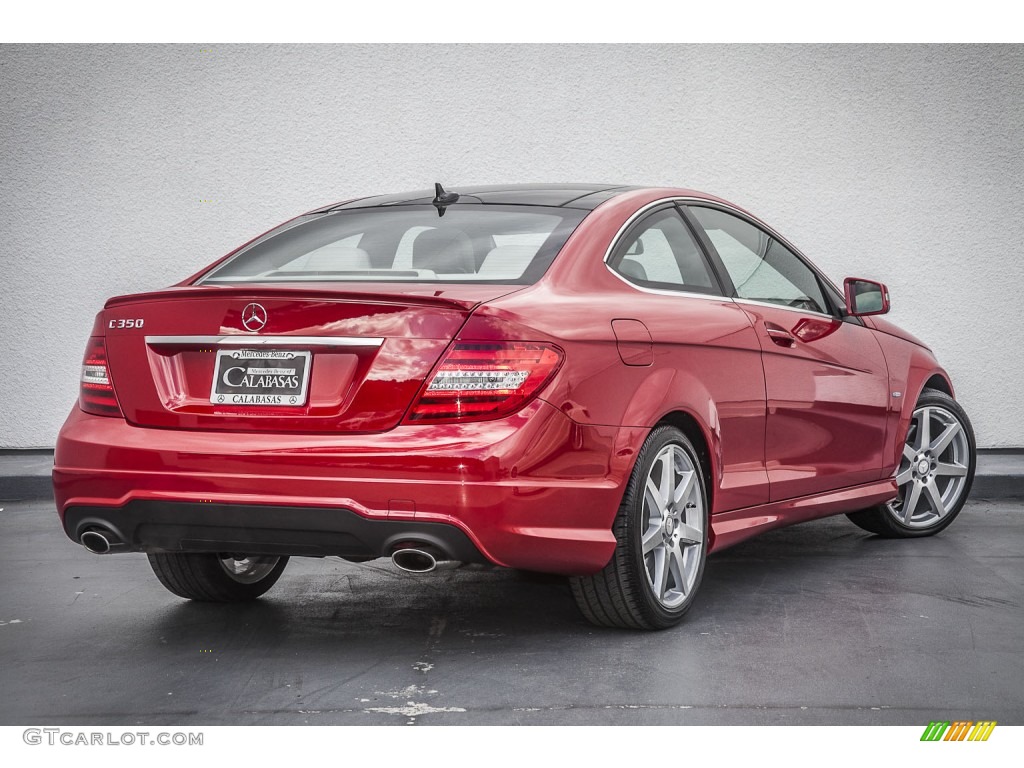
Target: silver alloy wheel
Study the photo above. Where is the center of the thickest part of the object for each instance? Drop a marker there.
(249, 569)
(673, 516)
(933, 470)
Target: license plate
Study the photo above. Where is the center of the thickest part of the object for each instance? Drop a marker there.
(264, 377)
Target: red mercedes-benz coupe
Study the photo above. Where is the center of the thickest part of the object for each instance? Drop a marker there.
(604, 382)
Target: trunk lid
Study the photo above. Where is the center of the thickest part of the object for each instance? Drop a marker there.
(287, 359)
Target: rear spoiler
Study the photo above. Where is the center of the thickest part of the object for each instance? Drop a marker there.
(378, 294)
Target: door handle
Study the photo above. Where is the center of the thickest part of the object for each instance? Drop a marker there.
(779, 335)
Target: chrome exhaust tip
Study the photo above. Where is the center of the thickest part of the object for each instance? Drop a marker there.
(414, 560)
(97, 542)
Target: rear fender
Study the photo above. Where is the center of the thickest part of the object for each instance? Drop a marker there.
(668, 391)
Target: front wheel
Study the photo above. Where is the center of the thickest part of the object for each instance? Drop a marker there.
(934, 476)
(217, 578)
(661, 533)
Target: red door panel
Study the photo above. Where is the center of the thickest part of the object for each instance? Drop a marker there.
(828, 393)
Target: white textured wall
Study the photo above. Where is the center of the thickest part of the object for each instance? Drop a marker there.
(900, 163)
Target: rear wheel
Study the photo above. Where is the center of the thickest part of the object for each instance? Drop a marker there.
(935, 472)
(218, 578)
(661, 532)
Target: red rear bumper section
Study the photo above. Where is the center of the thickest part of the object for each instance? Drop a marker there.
(535, 490)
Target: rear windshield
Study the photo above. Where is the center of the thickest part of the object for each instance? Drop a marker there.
(470, 243)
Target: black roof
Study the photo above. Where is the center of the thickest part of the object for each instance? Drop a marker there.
(582, 196)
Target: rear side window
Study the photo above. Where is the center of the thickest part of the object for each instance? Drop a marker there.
(761, 268)
(660, 252)
(472, 244)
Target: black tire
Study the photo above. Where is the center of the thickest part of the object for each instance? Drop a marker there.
(886, 520)
(205, 577)
(622, 594)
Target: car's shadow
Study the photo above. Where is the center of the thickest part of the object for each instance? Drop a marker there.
(326, 602)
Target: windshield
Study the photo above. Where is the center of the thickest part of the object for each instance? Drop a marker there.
(470, 243)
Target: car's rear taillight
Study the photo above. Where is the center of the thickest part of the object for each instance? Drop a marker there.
(485, 380)
(96, 394)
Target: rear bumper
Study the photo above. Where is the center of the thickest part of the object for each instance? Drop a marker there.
(169, 526)
(535, 490)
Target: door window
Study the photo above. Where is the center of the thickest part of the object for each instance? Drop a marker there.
(760, 267)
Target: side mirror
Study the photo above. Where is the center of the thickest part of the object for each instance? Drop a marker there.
(865, 297)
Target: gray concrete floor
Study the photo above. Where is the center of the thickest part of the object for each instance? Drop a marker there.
(815, 624)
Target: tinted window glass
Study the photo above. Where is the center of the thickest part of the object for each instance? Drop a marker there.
(761, 268)
(474, 244)
(661, 253)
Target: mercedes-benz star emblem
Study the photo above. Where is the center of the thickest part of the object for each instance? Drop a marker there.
(254, 317)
